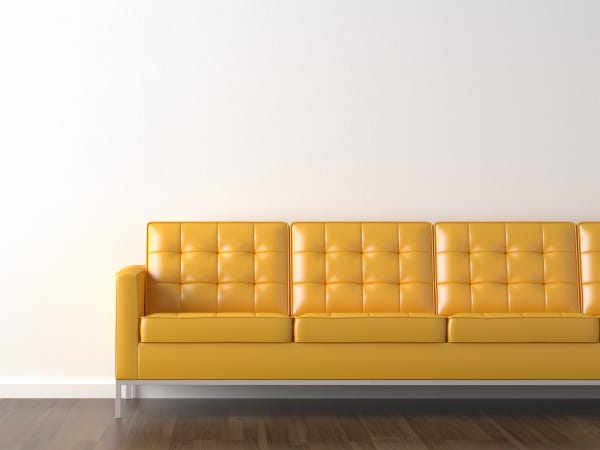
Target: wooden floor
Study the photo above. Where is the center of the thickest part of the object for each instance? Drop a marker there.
(298, 424)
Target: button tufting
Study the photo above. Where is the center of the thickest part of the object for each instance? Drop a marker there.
(511, 269)
(193, 266)
(360, 269)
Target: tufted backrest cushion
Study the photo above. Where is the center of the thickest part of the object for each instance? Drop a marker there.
(506, 267)
(217, 267)
(589, 250)
(362, 267)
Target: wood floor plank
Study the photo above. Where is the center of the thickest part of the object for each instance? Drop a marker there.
(87, 424)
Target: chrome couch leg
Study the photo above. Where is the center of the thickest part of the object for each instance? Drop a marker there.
(118, 401)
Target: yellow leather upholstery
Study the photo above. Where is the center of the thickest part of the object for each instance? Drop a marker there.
(522, 327)
(506, 267)
(216, 327)
(369, 327)
(589, 251)
(362, 267)
(130, 306)
(216, 302)
(217, 267)
(367, 361)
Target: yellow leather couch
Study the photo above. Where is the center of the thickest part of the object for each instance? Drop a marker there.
(362, 301)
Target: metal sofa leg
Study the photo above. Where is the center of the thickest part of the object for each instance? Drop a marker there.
(118, 401)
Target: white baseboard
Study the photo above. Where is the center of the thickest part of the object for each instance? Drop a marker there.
(107, 390)
(58, 390)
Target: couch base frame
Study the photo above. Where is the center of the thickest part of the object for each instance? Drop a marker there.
(513, 387)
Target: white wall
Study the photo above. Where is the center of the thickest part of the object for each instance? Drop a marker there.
(114, 113)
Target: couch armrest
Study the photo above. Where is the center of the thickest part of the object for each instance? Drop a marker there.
(131, 284)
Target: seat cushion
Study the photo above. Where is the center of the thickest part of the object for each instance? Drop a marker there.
(522, 327)
(216, 327)
(369, 327)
